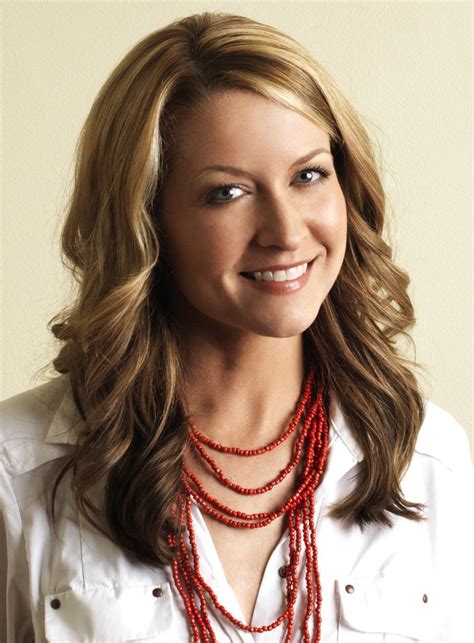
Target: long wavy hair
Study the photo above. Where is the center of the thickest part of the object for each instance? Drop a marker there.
(119, 343)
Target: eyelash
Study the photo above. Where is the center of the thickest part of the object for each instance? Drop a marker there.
(320, 170)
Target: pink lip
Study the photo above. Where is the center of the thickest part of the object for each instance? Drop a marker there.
(280, 266)
(281, 287)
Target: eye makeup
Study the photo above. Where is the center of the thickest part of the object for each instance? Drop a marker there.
(209, 199)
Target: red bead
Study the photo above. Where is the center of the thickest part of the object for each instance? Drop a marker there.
(312, 445)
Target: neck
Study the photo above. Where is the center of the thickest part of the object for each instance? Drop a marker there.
(242, 389)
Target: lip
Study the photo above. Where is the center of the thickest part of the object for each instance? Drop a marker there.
(281, 287)
(279, 266)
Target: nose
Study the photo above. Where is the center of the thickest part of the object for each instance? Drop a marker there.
(281, 223)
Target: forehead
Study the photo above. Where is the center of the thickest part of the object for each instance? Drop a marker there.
(237, 126)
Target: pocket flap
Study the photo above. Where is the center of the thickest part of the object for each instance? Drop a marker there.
(385, 604)
(112, 614)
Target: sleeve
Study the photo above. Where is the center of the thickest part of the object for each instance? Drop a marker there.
(457, 557)
(15, 614)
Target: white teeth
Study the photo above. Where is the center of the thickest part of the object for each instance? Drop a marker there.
(281, 275)
(295, 272)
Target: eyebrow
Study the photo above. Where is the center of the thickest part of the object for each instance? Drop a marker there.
(231, 169)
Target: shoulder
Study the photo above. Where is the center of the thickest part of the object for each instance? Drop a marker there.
(442, 437)
(26, 420)
(32, 410)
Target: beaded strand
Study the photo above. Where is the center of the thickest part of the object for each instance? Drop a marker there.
(311, 448)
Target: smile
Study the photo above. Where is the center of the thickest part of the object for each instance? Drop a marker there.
(278, 275)
(280, 282)
(294, 272)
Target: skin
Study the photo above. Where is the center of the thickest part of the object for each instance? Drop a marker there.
(243, 346)
(275, 218)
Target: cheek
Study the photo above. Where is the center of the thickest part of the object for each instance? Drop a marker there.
(203, 250)
(331, 225)
(338, 225)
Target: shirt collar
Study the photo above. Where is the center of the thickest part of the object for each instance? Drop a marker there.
(67, 420)
(338, 423)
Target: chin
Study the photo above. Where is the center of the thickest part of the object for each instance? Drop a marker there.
(286, 326)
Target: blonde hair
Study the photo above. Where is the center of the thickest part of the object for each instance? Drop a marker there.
(120, 345)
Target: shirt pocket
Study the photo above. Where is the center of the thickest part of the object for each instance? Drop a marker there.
(388, 609)
(110, 614)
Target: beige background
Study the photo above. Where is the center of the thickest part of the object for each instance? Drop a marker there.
(406, 67)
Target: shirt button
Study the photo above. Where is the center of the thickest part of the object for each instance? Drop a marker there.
(157, 592)
(55, 603)
(283, 571)
(349, 589)
(425, 598)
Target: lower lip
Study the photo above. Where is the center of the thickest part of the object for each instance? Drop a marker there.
(281, 287)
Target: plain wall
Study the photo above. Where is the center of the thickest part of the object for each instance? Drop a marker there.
(406, 67)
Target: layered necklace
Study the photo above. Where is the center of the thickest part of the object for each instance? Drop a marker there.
(310, 450)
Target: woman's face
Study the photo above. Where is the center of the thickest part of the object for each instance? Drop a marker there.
(230, 249)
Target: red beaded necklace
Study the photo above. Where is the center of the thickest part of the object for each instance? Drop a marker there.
(312, 446)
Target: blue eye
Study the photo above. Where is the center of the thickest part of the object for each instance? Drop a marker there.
(318, 170)
(228, 187)
(225, 187)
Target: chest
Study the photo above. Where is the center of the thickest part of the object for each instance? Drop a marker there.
(244, 556)
(105, 596)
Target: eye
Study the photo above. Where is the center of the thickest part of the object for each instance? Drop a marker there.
(228, 188)
(315, 170)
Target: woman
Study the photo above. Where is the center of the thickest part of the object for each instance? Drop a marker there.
(234, 450)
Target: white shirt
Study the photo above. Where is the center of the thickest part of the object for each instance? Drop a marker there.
(409, 583)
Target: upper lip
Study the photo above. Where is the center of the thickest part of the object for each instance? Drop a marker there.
(280, 266)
